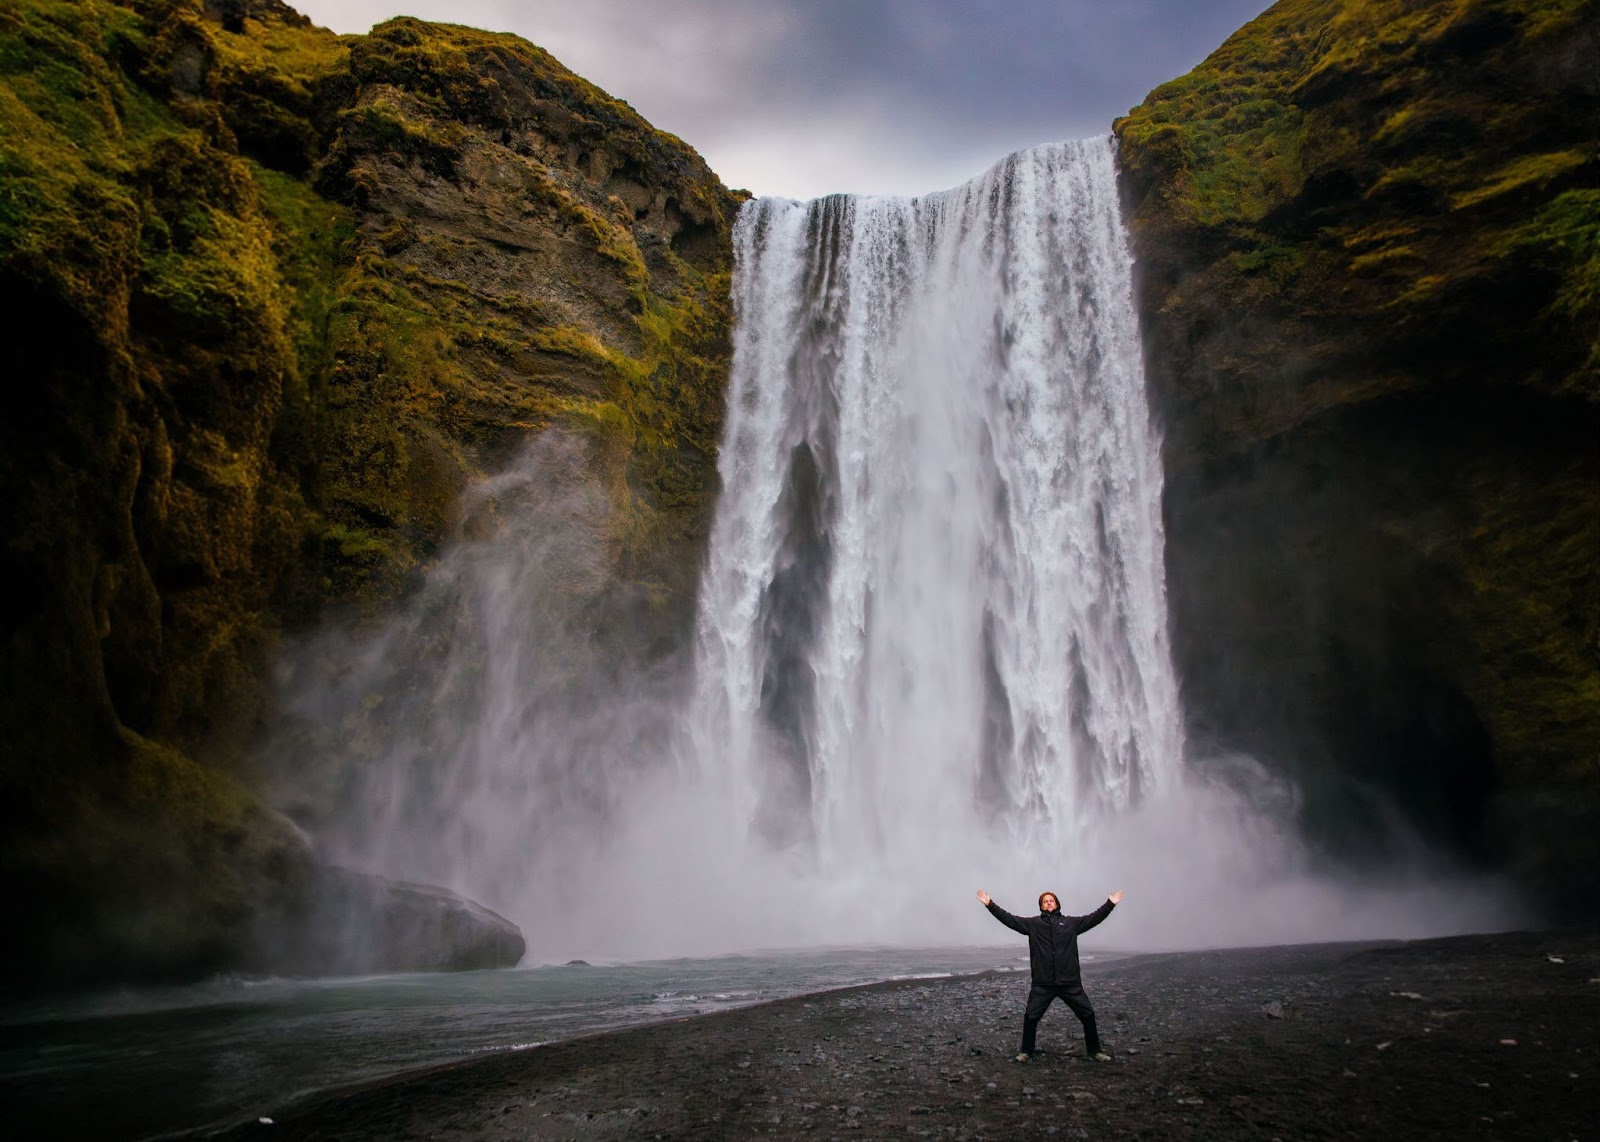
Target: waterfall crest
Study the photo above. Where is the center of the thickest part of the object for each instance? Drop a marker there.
(934, 598)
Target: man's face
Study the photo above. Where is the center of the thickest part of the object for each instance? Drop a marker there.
(1047, 903)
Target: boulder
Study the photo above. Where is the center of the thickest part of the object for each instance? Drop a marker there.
(352, 923)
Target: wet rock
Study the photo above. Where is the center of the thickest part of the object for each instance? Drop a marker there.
(351, 923)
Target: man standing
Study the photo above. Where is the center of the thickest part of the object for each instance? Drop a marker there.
(1053, 958)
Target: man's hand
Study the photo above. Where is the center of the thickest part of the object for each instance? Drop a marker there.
(983, 898)
(1115, 897)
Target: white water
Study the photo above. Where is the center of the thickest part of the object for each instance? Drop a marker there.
(931, 655)
(934, 603)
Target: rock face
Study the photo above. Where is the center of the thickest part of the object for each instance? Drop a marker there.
(531, 253)
(1369, 238)
(274, 297)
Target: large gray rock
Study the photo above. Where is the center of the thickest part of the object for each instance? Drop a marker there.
(351, 923)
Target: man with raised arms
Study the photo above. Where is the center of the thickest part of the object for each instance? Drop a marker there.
(1053, 958)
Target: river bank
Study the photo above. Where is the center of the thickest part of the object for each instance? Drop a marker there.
(1471, 1036)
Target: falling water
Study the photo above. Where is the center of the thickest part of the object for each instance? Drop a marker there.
(934, 602)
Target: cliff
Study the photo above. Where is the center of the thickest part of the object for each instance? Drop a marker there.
(1368, 238)
(274, 298)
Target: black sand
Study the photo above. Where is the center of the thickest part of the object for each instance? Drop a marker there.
(1468, 1037)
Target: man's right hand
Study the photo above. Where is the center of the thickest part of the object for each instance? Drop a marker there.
(983, 898)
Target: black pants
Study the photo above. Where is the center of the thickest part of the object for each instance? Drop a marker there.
(1040, 997)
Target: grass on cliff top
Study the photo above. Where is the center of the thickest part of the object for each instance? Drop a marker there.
(447, 65)
(1409, 150)
(458, 70)
(1229, 128)
(293, 58)
(1236, 128)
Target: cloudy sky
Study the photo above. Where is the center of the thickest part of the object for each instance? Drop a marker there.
(808, 97)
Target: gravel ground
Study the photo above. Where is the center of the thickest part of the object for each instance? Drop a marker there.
(1468, 1037)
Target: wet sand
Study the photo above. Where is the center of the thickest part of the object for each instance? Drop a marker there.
(1489, 1037)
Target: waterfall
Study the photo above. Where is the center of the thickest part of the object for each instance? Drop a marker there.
(934, 601)
(931, 652)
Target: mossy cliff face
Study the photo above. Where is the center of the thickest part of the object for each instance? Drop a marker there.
(1368, 238)
(530, 253)
(274, 297)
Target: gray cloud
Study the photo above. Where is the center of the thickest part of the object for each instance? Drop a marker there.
(805, 97)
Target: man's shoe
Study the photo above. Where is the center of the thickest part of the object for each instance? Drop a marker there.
(1100, 1057)
(1023, 1056)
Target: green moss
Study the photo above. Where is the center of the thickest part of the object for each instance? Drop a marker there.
(384, 127)
(1226, 136)
(1531, 564)
(1363, 127)
(1563, 239)
(357, 544)
(1526, 172)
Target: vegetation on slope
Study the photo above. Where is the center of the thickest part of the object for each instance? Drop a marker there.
(1369, 237)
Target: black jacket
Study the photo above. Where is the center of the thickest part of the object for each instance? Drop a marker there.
(1052, 941)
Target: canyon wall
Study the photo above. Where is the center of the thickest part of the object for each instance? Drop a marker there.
(1368, 239)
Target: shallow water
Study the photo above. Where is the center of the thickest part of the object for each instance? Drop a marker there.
(154, 1061)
